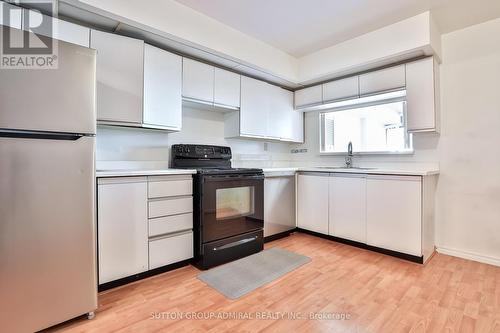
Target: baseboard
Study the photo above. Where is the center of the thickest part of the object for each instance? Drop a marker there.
(143, 275)
(274, 237)
(469, 255)
(408, 257)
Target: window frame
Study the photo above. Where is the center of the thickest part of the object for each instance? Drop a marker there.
(361, 104)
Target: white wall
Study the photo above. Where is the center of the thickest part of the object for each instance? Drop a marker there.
(469, 150)
(128, 148)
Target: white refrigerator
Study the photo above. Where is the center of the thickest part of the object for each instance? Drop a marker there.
(47, 191)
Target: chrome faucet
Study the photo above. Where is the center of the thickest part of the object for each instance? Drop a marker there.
(348, 158)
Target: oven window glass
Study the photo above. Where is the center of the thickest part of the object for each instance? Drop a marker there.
(234, 202)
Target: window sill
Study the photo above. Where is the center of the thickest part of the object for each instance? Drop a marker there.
(404, 152)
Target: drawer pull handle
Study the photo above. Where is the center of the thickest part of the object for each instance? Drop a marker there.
(233, 244)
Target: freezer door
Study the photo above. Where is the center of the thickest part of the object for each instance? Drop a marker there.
(47, 232)
(55, 100)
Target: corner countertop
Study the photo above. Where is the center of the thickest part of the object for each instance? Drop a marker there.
(142, 172)
(406, 171)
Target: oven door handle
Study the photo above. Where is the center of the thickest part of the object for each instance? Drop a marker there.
(234, 177)
(233, 244)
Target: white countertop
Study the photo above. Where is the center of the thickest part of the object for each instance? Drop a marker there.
(142, 172)
(417, 171)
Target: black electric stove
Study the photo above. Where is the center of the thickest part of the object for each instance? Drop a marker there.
(228, 204)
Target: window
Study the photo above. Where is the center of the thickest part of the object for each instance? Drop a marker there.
(234, 202)
(376, 124)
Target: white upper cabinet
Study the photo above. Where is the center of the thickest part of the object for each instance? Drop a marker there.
(266, 112)
(312, 202)
(13, 13)
(341, 89)
(393, 213)
(280, 113)
(162, 88)
(348, 206)
(388, 79)
(198, 81)
(308, 96)
(255, 107)
(422, 95)
(284, 121)
(120, 62)
(297, 126)
(61, 30)
(227, 88)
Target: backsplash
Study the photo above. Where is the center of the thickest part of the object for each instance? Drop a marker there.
(119, 147)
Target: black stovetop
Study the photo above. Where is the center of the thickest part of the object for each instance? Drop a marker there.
(207, 160)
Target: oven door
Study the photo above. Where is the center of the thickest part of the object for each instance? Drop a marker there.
(231, 205)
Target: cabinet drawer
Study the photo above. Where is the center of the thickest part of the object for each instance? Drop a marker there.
(170, 250)
(170, 188)
(170, 224)
(159, 208)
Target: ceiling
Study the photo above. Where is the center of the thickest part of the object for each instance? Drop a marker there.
(300, 27)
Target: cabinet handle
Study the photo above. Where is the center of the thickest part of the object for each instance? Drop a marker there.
(233, 244)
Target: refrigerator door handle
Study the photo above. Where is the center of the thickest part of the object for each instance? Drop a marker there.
(43, 135)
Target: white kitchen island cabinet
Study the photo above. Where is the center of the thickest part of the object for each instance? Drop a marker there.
(312, 202)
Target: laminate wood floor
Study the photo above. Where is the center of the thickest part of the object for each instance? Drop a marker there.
(376, 293)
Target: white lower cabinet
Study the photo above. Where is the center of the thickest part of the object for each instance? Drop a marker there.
(347, 217)
(143, 223)
(170, 249)
(393, 211)
(122, 227)
(312, 202)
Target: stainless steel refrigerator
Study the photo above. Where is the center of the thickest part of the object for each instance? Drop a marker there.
(47, 189)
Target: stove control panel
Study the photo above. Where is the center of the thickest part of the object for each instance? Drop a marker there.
(180, 151)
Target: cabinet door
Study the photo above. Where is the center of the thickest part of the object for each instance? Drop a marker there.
(308, 96)
(384, 80)
(312, 202)
(279, 205)
(197, 80)
(393, 213)
(280, 113)
(254, 107)
(227, 88)
(12, 13)
(422, 95)
(122, 225)
(297, 126)
(162, 88)
(61, 30)
(348, 207)
(120, 62)
(341, 89)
